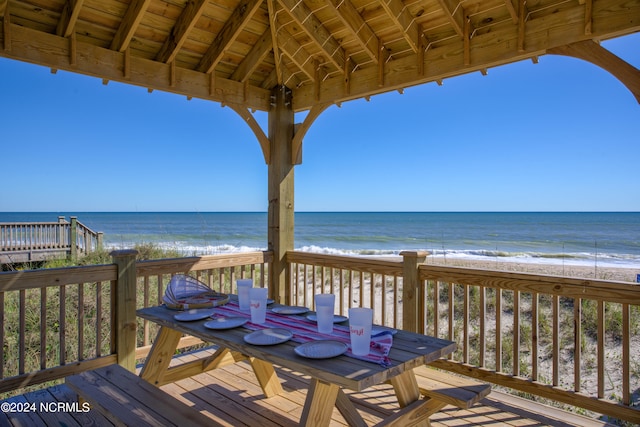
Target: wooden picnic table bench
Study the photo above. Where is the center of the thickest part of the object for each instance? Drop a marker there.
(128, 400)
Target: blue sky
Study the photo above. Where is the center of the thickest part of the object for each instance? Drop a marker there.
(560, 135)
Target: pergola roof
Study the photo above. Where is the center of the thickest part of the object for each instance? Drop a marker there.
(326, 51)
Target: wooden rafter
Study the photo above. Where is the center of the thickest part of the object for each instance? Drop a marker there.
(513, 11)
(235, 24)
(453, 12)
(290, 47)
(256, 55)
(403, 20)
(129, 24)
(3, 6)
(185, 23)
(69, 17)
(352, 20)
(273, 25)
(316, 31)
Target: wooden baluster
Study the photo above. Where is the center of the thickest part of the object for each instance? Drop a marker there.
(555, 312)
(535, 329)
(577, 342)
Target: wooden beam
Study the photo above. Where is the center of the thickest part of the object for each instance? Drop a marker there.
(402, 19)
(492, 49)
(69, 17)
(178, 35)
(54, 52)
(129, 24)
(231, 29)
(255, 127)
(316, 31)
(3, 6)
(256, 55)
(453, 12)
(352, 20)
(592, 52)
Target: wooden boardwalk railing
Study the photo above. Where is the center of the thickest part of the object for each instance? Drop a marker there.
(38, 241)
(559, 338)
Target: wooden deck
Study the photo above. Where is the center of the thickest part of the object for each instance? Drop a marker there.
(232, 396)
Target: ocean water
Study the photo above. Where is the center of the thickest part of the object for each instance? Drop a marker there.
(604, 239)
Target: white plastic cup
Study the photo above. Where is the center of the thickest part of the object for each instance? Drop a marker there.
(360, 322)
(243, 286)
(324, 312)
(258, 303)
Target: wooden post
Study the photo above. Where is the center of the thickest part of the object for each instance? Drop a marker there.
(74, 237)
(100, 241)
(61, 232)
(123, 312)
(412, 293)
(281, 208)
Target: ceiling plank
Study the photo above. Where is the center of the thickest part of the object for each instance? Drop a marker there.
(256, 55)
(453, 12)
(54, 52)
(352, 20)
(129, 24)
(185, 23)
(3, 6)
(403, 20)
(235, 24)
(316, 31)
(69, 17)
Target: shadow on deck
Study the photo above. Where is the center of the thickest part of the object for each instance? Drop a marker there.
(232, 396)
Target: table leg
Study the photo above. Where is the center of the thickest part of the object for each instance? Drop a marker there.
(349, 411)
(407, 391)
(163, 349)
(319, 404)
(267, 377)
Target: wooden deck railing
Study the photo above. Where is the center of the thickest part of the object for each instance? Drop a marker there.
(36, 241)
(57, 322)
(558, 338)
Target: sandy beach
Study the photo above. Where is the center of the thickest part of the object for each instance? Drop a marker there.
(583, 272)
